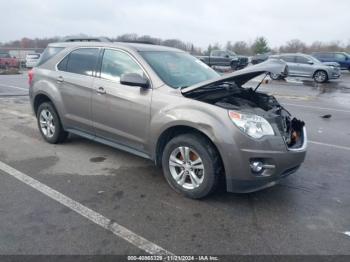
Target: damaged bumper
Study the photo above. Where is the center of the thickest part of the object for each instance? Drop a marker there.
(277, 163)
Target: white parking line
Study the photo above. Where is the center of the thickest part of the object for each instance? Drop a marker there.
(329, 145)
(16, 87)
(316, 107)
(86, 212)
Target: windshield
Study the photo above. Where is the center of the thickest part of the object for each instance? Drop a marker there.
(178, 69)
(314, 59)
(231, 53)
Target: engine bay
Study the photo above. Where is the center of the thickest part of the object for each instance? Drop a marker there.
(230, 96)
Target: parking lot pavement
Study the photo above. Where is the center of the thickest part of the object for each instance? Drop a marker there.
(308, 213)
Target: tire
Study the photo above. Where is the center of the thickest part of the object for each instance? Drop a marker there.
(275, 76)
(48, 116)
(320, 76)
(234, 65)
(206, 170)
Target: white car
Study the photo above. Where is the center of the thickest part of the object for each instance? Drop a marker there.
(32, 60)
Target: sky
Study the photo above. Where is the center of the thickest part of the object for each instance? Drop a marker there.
(198, 21)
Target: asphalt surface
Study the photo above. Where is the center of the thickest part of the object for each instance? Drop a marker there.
(308, 213)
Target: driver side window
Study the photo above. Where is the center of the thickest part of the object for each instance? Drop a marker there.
(115, 63)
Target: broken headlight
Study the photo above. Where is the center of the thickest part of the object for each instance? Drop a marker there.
(253, 125)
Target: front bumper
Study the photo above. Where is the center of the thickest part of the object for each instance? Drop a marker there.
(279, 164)
(334, 74)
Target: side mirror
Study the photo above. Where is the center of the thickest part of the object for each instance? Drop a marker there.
(310, 62)
(227, 56)
(133, 79)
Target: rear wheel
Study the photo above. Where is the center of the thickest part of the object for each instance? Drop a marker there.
(49, 124)
(275, 76)
(191, 165)
(320, 76)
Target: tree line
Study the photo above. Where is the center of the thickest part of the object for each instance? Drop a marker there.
(259, 46)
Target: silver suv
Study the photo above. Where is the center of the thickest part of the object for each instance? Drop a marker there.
(165, 105)
(301, 65)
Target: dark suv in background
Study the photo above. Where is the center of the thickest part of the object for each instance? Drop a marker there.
(342, 58)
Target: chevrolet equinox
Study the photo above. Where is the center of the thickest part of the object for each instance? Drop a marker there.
(163, 104)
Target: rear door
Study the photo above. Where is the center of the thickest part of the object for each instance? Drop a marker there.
(75, 82)
(121, 113)
(218, 58)
(291, 62)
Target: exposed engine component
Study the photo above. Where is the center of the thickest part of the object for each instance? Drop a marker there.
(230, 96)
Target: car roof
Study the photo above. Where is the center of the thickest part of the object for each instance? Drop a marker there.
(132, 46)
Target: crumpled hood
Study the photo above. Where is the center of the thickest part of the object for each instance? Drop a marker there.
(240, 77)
(335, 64)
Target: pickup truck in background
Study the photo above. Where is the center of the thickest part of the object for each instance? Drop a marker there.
(7, 61)
(225, 58)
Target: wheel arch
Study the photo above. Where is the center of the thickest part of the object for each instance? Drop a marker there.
(177, 130)
(39, 99)
(318, 70)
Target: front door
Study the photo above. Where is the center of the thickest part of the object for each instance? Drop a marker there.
(121, 113)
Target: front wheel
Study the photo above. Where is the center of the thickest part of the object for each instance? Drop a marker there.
(191, 165)
(320, 76)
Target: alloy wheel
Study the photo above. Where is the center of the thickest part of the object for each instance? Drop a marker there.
(47, 124)
(186, 167)
(320, 76)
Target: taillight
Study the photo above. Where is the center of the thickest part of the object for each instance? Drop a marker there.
(30, 77)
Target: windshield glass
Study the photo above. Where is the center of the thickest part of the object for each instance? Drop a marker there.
(231, 53)
(314, 59)
(178, 69)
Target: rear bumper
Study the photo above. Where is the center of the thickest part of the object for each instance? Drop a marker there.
(279, 164)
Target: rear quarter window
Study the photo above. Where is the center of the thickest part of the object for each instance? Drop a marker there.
(48, 53)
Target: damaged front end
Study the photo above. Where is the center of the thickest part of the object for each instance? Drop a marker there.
(247, 105)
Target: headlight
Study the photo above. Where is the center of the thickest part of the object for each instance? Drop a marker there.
(253, 125)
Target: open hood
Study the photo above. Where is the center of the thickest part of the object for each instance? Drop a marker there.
(240, 77)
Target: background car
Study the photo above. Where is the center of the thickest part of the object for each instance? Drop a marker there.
(302, 65)
(225, 58)
(259, 58)
(7, 61)
(32, 60)
(342, 58)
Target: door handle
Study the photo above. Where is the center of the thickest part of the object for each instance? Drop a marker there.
(60, 79)
(101, 90)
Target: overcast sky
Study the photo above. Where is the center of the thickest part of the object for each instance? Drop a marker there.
(198, 21)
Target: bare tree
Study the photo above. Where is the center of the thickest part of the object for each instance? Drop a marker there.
(293, 46)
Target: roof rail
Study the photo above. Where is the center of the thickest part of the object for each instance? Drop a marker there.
(136, 42)
(85, 39)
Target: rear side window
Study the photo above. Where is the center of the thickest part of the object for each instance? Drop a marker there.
(302, 60)
(81, 61)
(340, 57)
(48, 53)
(288, 58)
